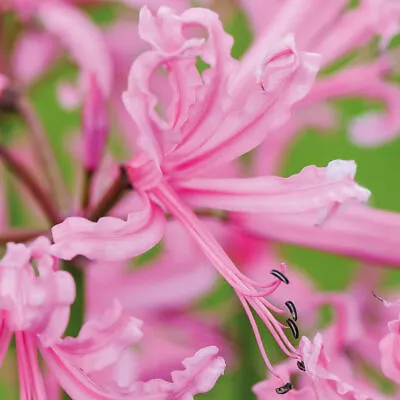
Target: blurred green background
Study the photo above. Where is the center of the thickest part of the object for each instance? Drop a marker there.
(377, 170)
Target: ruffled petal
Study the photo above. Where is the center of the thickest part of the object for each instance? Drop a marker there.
(89, 366)
(37, 304)
(329, 385)
(254, 106)
(109, 239)
(368, 81)
(390, 356)
(312, 189)
(199, 376)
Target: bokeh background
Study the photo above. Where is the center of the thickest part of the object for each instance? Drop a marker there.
(378, 170)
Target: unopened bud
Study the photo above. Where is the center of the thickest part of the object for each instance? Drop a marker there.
(95, 125)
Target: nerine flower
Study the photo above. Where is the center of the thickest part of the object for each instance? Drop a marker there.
(35, 299)
(204, 121)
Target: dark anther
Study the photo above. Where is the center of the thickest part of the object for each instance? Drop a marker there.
(284, 389)
(301, 366)
(280, 276)
(293, 327)
(292, 309)
(9, 100)
(380, 298)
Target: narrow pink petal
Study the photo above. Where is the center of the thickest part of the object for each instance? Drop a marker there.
(109, 239)
(355, 230)
(5, 338)
(84, 42)
(95, 125)
(281, 79)
(312, 189)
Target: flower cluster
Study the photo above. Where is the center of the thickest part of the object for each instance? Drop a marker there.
(170, 187)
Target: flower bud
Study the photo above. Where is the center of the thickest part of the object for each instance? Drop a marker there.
(95, 125)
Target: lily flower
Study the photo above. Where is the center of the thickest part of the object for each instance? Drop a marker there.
(210, 119)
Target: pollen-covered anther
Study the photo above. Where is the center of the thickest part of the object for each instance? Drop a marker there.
(293, 327)
(282, 277)
(292, 309)
(284, 389)
(301, 366)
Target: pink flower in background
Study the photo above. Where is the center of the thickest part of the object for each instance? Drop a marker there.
(338, 31)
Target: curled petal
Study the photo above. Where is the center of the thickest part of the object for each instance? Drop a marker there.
(199, 376)
(38, 304)
(109, 239)
(331, 378)
(100, 342)
(85, 41)
(312, 189)
(390, 357)
(285, 76)
(368, 81)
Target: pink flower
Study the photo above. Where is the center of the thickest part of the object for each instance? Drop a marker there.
(35, 305)
(339, 31)
(209, 120)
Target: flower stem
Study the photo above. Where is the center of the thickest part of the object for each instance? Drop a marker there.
(20, 235)
(42, 150)
(86, 190)
(112, 196)
(23, 173)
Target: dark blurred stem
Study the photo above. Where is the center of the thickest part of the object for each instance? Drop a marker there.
(112, 196)
(42, 150)
(86, 190)
(20, 235)
(23, 173)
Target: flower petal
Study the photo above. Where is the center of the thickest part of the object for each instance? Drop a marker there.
(355, 230)
(109, 239)
(312, 189)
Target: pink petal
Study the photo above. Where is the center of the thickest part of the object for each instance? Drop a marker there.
(95, 125)
(87, 367)
(253, 111)
(390, 356)
(85, 41)
(109, 239)
(177, 285)
(36, 304)
(33, 54)
(199, 376)
(355, 230)
(313, 188)
(367, 81)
